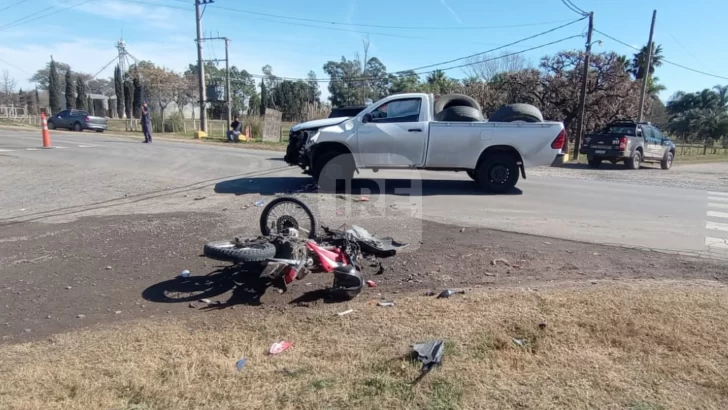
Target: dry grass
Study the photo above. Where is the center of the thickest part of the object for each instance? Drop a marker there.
(627, 346)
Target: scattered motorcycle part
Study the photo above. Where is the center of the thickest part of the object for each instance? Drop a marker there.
(287, 212)
(347, 283)
(449, 292)
(280, 347)
(385, 304)
(239, 251)
(328, 259)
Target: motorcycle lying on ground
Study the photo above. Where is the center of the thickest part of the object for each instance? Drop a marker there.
(290, 248)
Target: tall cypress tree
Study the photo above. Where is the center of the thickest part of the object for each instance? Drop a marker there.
(81, 102)
(119, 90)
(91, 109)
(128, 97)
(70, 98)
(54, 89)
(263, 97)
(138, 96)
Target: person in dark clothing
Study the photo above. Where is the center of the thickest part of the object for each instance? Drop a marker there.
(234, 132)
(146, 123)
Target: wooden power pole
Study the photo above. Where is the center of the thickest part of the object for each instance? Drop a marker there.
(582, 95)
(646, 74)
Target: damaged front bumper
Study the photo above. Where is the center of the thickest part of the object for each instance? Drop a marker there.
(297, 153)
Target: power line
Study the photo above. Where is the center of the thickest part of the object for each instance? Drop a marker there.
(573, 8)
(14, 66)
(255, 13)
(17, 3)
(288, 23)
(663, 60)
(578, 9)
(368, 78)
(39, 14)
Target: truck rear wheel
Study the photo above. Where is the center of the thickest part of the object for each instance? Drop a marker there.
(634, 161)
(333, 170)
(595, 162)
(497, 173)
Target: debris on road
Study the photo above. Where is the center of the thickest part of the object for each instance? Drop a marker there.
(118, 312)
(279, 347)
(80, 316)
(200, 198)
(386, 304)
(206, 301)
(449, 292)
(364, 199)
(184, 274)
(68, 288)
(108, 268)
(495, 262)
(519, 342)
(241, 363)
(371, 284)
(259, 203)
(346, 312)
(542, 325)
(490, 273)
(429, 353)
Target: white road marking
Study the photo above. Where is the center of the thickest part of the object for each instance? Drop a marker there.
(714, 205)
(716, 226)
(718, 193)
(716, 243)
(715, 214)
(716, 198)
(41, 149)
(86, 146)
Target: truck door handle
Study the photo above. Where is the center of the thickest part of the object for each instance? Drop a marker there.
(415, 130)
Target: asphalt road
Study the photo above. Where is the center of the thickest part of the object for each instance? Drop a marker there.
(91, 174)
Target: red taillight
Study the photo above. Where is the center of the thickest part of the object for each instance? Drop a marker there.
(86, 119)
(559, 141)
(622, 143)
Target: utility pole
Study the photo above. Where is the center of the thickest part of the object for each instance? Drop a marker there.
(646, 74)
(200, 63)
(228, 97)
(582, 96)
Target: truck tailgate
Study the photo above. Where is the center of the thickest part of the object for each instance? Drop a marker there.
(97, 120)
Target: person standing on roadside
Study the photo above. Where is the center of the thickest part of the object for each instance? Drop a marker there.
(146, 123)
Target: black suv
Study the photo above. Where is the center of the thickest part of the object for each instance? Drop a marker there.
(629, 141)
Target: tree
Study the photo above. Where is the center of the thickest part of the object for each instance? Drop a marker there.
(263, 98)
(639, 61)
(406, 82)
(8, 88)
(439, 83)
(699, 115)
(345, 77)
(69, 94)
(81, 94)
(128, 97)
(36, 102)
(54, 88)
(314, 93)
(119, 91)
(485, 67)
(91, 107)
(138, 94)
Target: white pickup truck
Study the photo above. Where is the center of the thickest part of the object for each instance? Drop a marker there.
(416, 131)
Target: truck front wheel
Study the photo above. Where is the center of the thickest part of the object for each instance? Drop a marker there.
(498, 173)
(333, 170)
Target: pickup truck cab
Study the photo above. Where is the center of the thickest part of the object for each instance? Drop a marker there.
(629, 141)
(77, 120)
(399, 132)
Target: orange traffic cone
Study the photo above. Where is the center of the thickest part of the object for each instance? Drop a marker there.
(46, 134)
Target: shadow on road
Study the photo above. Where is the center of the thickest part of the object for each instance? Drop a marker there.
(402, 187)
(245, 282)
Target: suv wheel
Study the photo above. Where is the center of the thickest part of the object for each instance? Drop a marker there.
(667, 161)
(77, 127)
(595, 162)
(635, 161)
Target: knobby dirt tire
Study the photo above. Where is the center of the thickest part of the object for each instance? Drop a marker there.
(266, 230)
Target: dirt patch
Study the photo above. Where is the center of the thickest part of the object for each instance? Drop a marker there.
(59, 277)
(650, 345)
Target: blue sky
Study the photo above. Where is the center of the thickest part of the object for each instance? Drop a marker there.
(163, 30)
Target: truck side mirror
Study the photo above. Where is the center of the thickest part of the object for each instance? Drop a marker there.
(367, 118)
